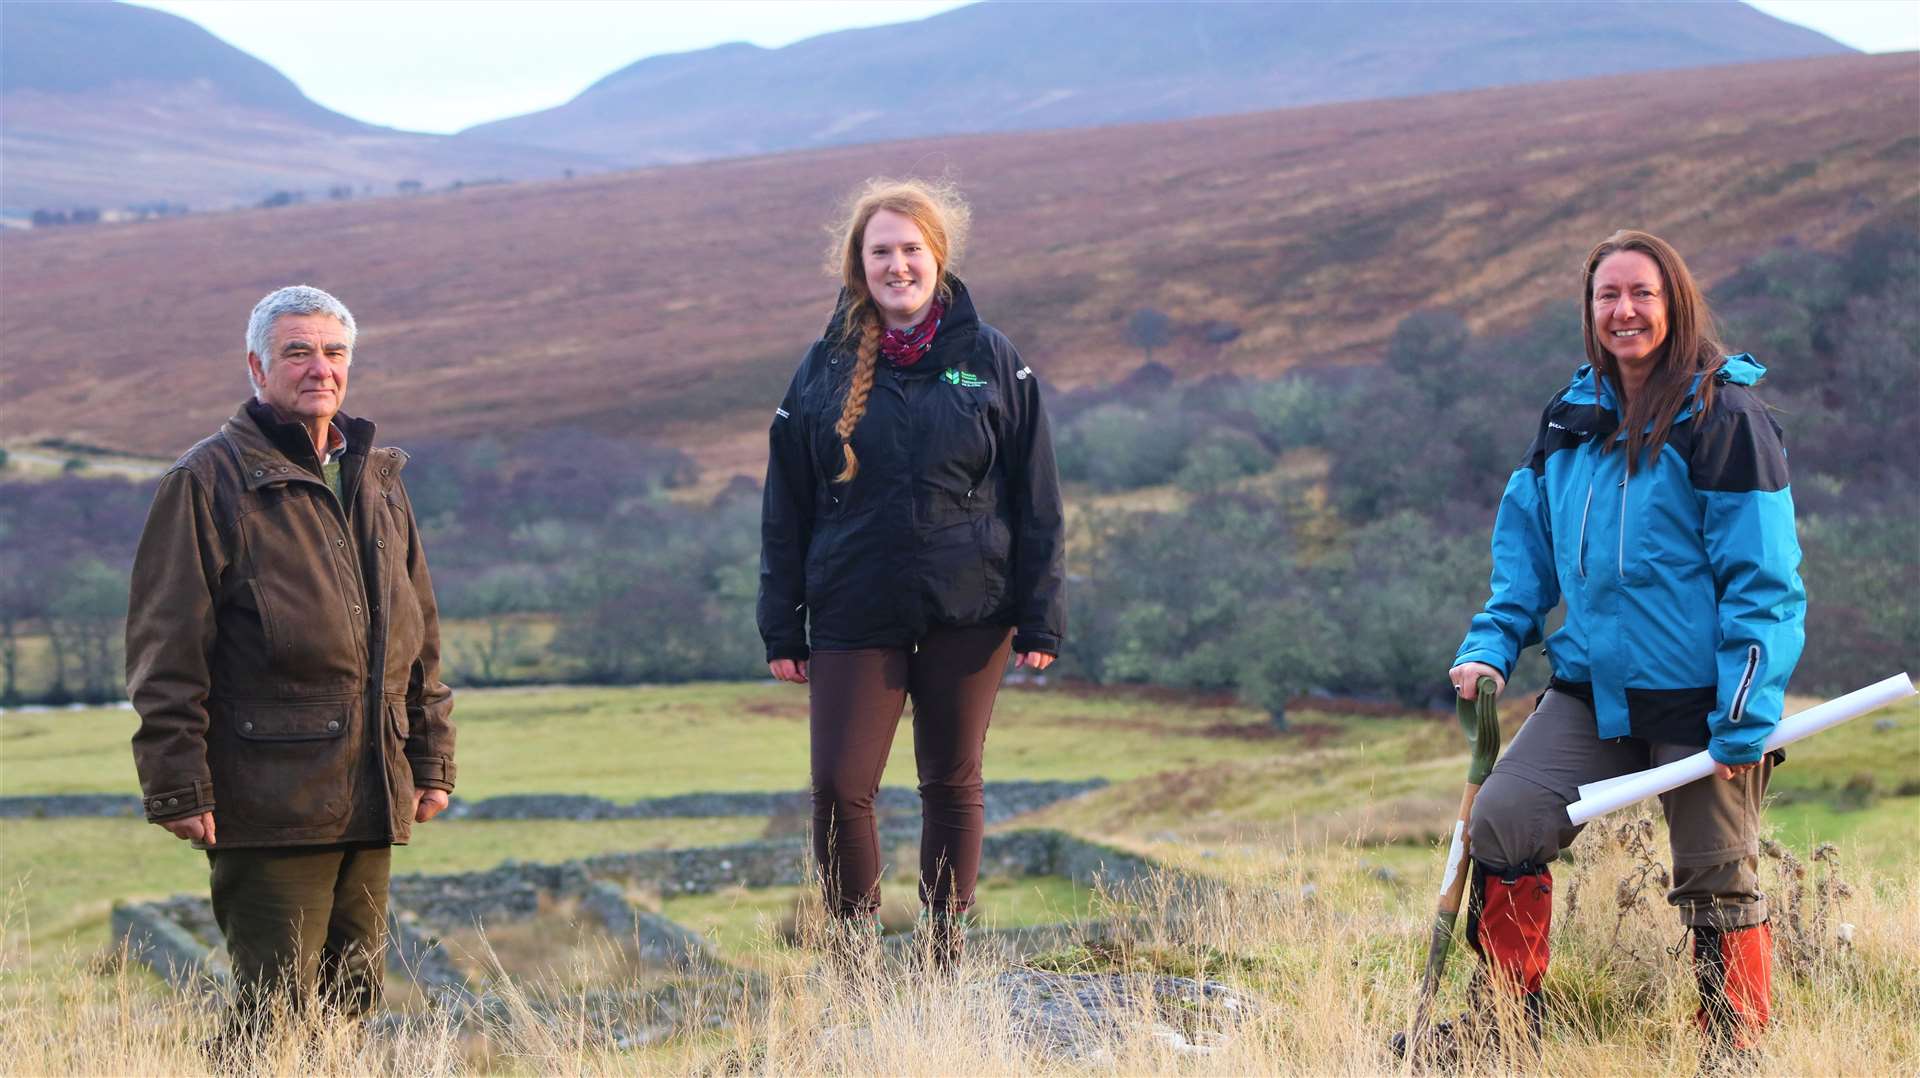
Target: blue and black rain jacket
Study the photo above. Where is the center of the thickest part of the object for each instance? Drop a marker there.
(1685, 612)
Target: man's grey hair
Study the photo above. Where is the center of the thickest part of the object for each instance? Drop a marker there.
(293, 299)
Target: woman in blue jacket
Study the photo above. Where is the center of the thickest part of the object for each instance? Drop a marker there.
(1654, 503)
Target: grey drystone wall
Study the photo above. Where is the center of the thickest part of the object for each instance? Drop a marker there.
(53, 806)
(1004, 801)
(153, 938)
(178, 939)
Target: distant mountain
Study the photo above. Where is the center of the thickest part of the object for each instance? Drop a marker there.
(90, 48)
(1023, 66)
(105, 105)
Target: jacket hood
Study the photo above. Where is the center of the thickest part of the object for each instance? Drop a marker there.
(1741, 369)
(957, 329)
(1587, 387)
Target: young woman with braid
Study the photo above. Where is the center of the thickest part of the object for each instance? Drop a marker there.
(911, 537)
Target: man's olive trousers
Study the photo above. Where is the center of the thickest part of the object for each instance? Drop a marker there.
(307, 921)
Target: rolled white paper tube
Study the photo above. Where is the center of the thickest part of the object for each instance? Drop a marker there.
(1606, 795)
(1593, 789)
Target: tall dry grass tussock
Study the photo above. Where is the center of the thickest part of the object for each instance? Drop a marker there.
(1321, 958)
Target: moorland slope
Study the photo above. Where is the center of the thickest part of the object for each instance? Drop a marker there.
(673, 302)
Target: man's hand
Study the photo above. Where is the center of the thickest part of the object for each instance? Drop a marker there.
(191, 828)
(427, 804)
(1466, 679)
(1732, 771)
(1033, 660)
(794, 670)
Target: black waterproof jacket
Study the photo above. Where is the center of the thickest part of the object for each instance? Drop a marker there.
(954, 518)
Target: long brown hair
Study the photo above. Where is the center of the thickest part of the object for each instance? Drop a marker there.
(1692, 347)
(942, 216)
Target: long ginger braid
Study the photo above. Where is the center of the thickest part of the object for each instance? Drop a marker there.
(866, 355)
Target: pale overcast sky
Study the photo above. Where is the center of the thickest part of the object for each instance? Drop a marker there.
(436, 65)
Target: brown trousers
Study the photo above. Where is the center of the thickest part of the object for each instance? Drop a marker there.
(308, 921)
(1520, 815)
(856, 698)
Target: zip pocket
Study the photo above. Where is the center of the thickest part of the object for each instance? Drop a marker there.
(1622, 570)
(1738, 710)
(267, 632)
(993, 456)
(1585, 511)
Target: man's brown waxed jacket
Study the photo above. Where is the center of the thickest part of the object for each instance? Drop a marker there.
(283, 651)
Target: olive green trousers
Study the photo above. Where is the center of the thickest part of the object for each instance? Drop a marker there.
(309, 923)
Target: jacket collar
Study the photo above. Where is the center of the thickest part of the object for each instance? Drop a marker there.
(272, 451)
(952, 346)
(1589, 388)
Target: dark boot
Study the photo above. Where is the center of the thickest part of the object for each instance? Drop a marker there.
(851, 946)
(943, 941)
(1734, 969)
(1509, 911)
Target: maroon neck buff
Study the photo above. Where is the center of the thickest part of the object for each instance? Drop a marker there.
(904, 347)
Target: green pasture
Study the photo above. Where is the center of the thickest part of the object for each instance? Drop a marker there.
(627, 743)
(1193, 783)
(528, 637)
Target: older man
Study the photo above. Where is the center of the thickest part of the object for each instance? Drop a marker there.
(283, 655)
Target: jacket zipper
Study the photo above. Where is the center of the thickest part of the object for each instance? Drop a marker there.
(1623, 524)
(993, 455)
(1585, 511)
(367, 693)
(1738, 710)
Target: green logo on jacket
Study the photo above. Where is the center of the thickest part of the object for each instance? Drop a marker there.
(953, 376)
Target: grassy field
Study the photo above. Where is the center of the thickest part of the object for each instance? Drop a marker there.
(1345, 807)
(752, 925)
(1187, 776)
(459, 659)
(1325, 958)
(632, 743)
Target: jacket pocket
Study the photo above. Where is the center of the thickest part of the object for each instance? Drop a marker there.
(967, 568)
(306, 582)
(268, 631)
(292, 765)
(406, 620)
(399, 768)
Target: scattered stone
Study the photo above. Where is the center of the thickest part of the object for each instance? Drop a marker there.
(1381, 873)
(178, 938)
(1081, 1016)
(161, 944)
(1882, 726)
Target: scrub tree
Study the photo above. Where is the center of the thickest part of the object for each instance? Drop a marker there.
(1148, 329)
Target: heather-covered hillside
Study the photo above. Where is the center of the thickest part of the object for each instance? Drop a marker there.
(673, 303)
